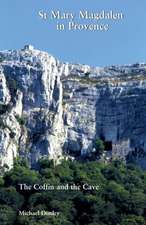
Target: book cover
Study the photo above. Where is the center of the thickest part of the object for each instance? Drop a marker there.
(72, 112)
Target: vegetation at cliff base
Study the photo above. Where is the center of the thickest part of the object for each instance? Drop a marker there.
(108, 194)
(99, 146)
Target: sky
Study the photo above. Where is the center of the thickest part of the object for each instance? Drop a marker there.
(123, 43)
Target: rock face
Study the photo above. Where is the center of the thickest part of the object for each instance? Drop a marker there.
(48, 108)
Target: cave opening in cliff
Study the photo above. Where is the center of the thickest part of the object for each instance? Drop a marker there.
(108, 145)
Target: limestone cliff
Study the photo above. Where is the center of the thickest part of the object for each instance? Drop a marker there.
(48, 108)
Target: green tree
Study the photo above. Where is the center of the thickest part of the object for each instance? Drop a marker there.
(7, 215)
(133, 220)
(99, 146)
(10, 197)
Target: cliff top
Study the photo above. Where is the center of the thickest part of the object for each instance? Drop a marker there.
(30, 57)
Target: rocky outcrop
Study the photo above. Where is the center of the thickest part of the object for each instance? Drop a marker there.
(49, 108)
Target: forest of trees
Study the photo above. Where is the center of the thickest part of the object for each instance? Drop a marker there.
(119, 200)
